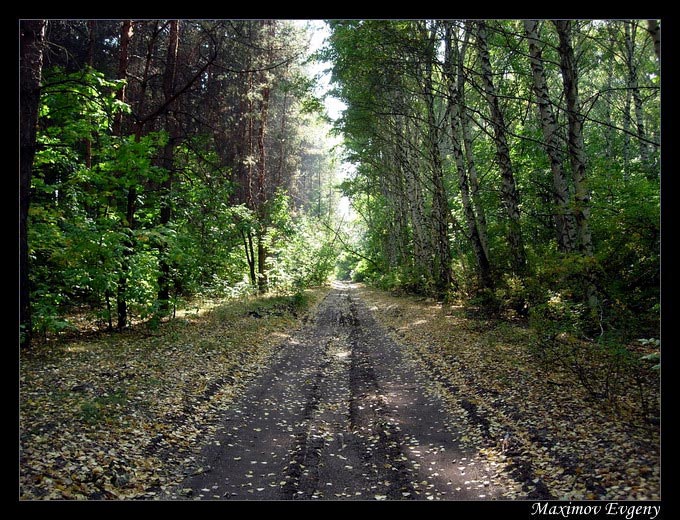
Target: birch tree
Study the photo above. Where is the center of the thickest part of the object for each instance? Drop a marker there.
(509, 190)
(440, 205)
(576, 148)
(464, 161)
(564, 220)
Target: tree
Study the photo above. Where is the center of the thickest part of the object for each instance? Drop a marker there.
(462, 151)
(564, 221)
(32, 40)
(167, 161)
(633, 89)
(440, 205)
(184, 157)
(575, 140)
(126, 32)
(554, 109)
(655, 32)
(576, 147)
(508, 187)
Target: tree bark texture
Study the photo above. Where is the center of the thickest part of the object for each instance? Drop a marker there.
(564, 220)
(576, 150)
(630, 28)
(32, 41)
(655, 32)
(576, 147)
(440, 204)
(475, 232)
(171, 127)
(509, 192)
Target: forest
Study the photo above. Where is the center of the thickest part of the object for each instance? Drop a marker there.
(171, 159)
(507, 168)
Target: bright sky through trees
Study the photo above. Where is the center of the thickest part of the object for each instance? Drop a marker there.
(321, 70)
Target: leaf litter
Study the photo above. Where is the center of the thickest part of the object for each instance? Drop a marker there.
(121, 416)
(118, 416)
(545, 440)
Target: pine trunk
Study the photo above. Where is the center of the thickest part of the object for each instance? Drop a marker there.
(171, 128)
(262, 253)
(261, 198)
(30, 76)
(122, 288)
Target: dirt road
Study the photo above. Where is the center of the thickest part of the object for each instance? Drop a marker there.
(341, 413)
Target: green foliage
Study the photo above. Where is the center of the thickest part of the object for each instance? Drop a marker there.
(303, 249)
(345, 266)
(654, 358)
(76, 241)
(81, 244)
(605, 368)
(582, 305)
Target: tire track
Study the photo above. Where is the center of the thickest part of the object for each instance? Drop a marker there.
(382, 444)
(342, 412)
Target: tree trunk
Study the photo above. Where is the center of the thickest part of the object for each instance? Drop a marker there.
(472, 175)
(634, 89)
(440, 204)
(509, 191)
(466, 125)
(577, 153)
(475, 234)
(91, 27)
(609, 135)
(576, 149)
(30, 76)
(655, 33)
(261, 198)
(414, 202)
(262, 253)
(250, 132)
(278, 181)
(627, 121)
(250, 256)
(564, 220)
(262, 194)
(394, 191)
(171, 128)
(123, 61)
(262, 187)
